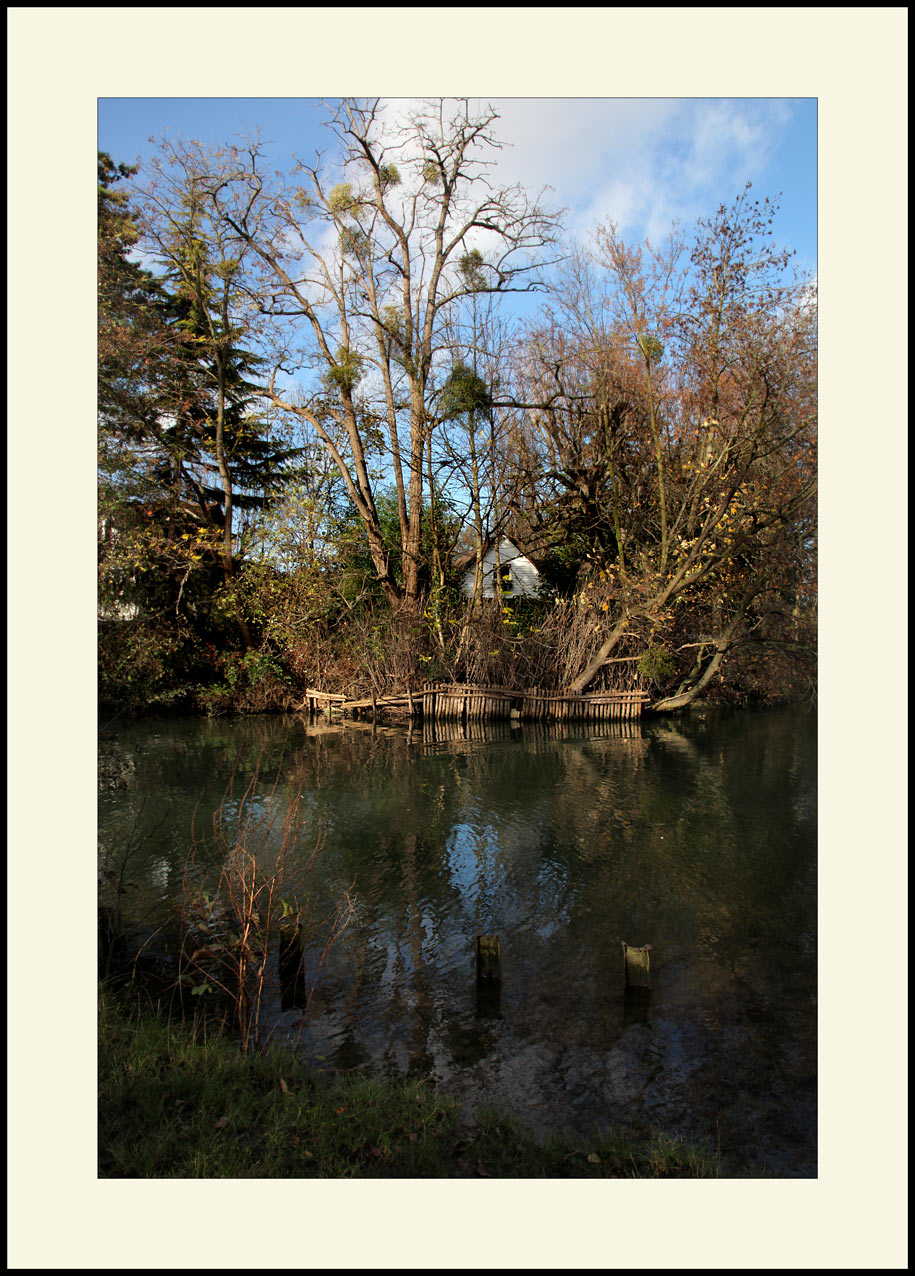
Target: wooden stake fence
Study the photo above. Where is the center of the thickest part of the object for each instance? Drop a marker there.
(465, 703)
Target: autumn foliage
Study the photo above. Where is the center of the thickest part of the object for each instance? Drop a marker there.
(315, 405)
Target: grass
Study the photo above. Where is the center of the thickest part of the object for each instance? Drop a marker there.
(177, 1101)
(507, 1150)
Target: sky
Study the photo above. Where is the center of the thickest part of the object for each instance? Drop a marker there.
(642, 162)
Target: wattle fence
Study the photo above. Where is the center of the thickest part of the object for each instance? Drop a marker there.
(458, 702)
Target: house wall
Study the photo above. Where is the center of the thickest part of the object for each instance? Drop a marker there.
(525, 577)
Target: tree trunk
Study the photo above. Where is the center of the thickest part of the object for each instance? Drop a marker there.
(594, 666)
(685, 698)
(412, 549)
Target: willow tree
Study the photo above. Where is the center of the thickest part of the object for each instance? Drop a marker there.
(644, 294)
(364, 272)
(738, 443)
(682, 447)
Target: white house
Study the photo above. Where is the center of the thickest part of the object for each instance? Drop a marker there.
(519, 576)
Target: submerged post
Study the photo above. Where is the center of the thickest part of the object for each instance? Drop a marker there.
(637, 965)
(489, 958)
(291, 966)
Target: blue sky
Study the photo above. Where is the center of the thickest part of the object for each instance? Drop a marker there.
(641, 161)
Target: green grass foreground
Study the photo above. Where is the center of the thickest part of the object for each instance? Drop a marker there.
(175, 1102)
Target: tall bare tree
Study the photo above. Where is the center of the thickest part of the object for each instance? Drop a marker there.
(365, 272)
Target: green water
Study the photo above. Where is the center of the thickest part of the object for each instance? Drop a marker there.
(695, 835)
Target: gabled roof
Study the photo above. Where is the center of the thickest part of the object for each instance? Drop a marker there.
(469, 558)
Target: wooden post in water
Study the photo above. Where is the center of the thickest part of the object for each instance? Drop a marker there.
(489, 985)
(489, 958)
(637, 965)
(291, 966)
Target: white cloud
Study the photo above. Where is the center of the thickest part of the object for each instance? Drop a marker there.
(641, 162)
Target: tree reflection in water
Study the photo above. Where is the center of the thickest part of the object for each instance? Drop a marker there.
(697, 836)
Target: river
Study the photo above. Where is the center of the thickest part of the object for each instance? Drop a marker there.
(694, 834)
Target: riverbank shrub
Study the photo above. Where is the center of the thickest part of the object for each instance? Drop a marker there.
(366, 649)
(244, 881)
(253, 682)
(657, 666)
(146, 664)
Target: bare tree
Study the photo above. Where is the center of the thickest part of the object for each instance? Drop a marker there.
(366, 272)
(680, 442)
(741, 438)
